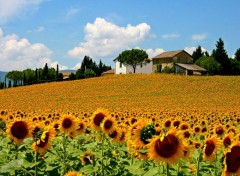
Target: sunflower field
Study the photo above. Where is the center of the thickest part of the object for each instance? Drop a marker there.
(131, 125)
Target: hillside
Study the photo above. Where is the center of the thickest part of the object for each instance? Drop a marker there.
(124, 92)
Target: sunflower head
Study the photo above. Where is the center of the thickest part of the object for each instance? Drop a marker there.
(73, 173)
(97, 118)
(108, 124)
(168, 148)
(67, 124)
(18, 130)
(210, 148)
(231, 160)
(87, 158)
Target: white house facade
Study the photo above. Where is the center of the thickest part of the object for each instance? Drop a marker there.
(122, 69)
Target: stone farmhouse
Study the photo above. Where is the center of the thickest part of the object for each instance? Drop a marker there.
(180, 60)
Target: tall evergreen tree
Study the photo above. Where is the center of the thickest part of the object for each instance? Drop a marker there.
(221, 56)
(57, 72)
(237, 54)
(197, 53)
(45, 72)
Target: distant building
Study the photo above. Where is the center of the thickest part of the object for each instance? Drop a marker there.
(180, 60)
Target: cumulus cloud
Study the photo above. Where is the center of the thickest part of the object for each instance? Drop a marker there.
(199, 37)
(170, 36)
(191, 49)
(105, 39)
(77, 66)
(18, 53)
(12, 8)
(154, 52)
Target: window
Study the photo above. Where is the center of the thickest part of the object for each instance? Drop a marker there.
(120, 65)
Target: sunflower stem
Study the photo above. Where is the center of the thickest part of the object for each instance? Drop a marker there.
(168, 174)
(178, 167)
(198, 163)
(64, 154)
(36, 166)
(103, 138)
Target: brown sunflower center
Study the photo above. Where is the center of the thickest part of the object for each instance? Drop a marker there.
(176, 123)
(219, 130)
(113, 134)
(210, 146)
(80, 126)
(233, 159)
(168, 146)
(167, 123)
(108, 124)
(98, 119)
(227, 141)
(67, 123)
(19, 129)
(122, 136)
(44, 141)
(186, 134)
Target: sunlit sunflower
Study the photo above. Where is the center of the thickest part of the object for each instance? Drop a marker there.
(168, 148)
(81, 127)
(97, 118)
(86, 158)
(167, 123)
(115, 135)
(219, 130)
(123, 135)
(44, 142)
(73, 173)
(143, 133)
(231, 160)
(184, 126)
(67, 124)
(211, 145)
(18, 130)
(108, 124)
(227, 140)
(188, 149)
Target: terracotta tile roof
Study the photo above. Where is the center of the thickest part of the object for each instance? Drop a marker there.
(169, 54)
(192, 67)
(109, 72)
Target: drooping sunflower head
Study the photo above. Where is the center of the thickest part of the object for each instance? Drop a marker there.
(231, 160)
(211, 145)
(67, 124)
(97, 118)
(43, 140)
(169, 148)
(86, 158)
(18, 130)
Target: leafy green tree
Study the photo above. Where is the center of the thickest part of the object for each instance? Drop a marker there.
(221, 56)
(72, 76)
(197, 53)
(235, 67)
(89, 73)
(15, 76)
(237, 54)
(210, 64)
(30, 76)
(132, 58)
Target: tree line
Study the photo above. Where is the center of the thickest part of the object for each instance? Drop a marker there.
(88, 69)
(218, 63)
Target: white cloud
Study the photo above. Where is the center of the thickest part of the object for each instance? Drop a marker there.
(170, 36)
(72, 12)
(105, 39)
(191, 49)
(153, 52)
(39, 29)
(12, 8)
(199, 37)
(54, 65)
(77, 66)
(18, 53)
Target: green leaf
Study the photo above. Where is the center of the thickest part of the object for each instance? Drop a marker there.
(151, 172)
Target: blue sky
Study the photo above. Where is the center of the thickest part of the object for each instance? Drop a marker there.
(33, 32)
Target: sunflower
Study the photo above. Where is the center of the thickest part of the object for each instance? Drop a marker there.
(42, 144)
(122, 137)
(18, 130)
(80, 129)
(168, 148)
(108, 124)
(97, 118)
(227, 140)
(67, 124)
(143, 133)
(115, 135)
(219, 130)
(167, 123)
(211, 145)
(73, 173)
(231, 160)
(86, 158)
